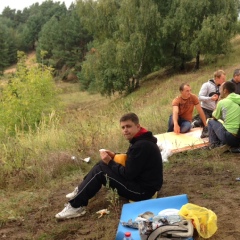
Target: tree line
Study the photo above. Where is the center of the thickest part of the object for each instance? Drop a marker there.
(111, 44)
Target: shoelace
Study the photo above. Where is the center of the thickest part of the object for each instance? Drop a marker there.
(67, 206)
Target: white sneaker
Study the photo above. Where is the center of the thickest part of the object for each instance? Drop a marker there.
(72, 194)
(71, 212)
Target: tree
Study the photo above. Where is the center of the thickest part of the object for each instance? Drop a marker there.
(4, 60)
(8, 44)
(133, 38)
(217, 29)
(196, 27)
(99, 17)
(48, 40)
(9, 13)
(65, 40)
(125, 50)
(38, 16)
(12, 46)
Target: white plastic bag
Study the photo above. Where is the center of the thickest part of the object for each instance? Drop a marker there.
(165, 149)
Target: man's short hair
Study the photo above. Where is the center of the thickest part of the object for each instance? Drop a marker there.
(182, 86)
(229, 86)
(236, 72)
(218, 73)
(130, 116)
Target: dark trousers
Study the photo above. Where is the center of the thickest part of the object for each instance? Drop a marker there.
(207, 112)
(98, 176)
(198, 120)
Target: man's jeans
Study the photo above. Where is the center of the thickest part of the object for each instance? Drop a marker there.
(184, 125)
(219, 135)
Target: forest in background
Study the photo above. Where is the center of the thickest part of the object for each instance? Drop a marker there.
(110, 45)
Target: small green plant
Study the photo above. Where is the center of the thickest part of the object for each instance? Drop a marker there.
(113, 198)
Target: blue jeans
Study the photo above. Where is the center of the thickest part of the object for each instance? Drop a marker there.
(219, 135)
(184, 125)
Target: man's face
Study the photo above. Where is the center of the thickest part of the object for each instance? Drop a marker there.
(129, 129)
(222, 92)
(237, 78)
(220, 80)
(185, 93)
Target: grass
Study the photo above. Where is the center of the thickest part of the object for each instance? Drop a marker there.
(34, 164)
(113, 199)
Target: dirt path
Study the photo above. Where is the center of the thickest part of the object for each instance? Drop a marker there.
(30, 60)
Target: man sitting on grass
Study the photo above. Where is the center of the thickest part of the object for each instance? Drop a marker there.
(138, 180)
(182, 111)
(227, 110)
(208, 95)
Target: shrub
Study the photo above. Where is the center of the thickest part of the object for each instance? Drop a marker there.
(29, 96)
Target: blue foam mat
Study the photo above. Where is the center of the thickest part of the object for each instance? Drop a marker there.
(132, 210)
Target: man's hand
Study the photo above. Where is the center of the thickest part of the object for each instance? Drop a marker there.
(105, 155)
(176, 128)
(110, 153)
(214, 97)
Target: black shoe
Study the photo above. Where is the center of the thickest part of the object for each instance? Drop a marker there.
(204, 132)
(235, 150)
(219, 148)
(210, 146)
(195, 124)
(213, 145)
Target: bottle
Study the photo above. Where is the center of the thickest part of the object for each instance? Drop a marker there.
(127, 236)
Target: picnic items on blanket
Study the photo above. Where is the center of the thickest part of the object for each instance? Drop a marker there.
(203, 219)
(133, 210)
(178, 230)
(130, 223)
(141, 217)
(168, 224)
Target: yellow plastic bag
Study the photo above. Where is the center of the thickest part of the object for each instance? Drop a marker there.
(203, 219)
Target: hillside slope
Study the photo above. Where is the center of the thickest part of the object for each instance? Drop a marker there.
(207, 177)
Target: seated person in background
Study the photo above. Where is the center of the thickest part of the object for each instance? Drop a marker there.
(208, 95)
(138, 180)
(228, 110)
(236, 80)
(182, 110)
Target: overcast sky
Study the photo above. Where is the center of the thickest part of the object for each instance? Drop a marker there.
(21, 4)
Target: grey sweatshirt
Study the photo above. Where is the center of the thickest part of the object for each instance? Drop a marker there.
(207, 90)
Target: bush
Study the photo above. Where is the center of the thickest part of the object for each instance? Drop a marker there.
(29, 96)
